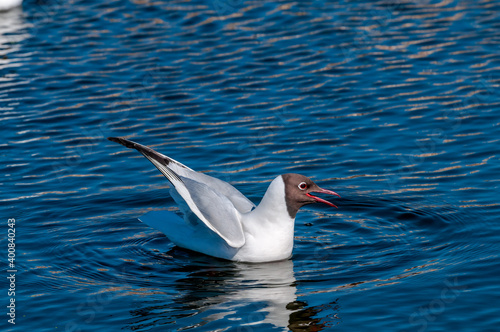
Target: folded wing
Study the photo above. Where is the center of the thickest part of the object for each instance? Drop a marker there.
(215, 202)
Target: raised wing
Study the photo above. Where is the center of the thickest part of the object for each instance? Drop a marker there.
(215, 202)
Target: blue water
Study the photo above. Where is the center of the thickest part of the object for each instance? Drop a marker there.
(394, 105)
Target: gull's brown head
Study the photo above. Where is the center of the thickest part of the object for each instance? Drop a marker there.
(298, 189)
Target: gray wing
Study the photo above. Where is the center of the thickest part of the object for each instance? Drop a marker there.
(215, 202)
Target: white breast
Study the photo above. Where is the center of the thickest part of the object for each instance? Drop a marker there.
(9, 4)
(268, 228)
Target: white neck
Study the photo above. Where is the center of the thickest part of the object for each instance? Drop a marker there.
(269, 227)
(273, 204)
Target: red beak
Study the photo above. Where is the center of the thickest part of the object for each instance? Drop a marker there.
(324, 191)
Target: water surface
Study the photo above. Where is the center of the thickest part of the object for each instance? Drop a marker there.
(394, 105)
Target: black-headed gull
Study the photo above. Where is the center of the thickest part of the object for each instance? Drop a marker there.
(220, 221)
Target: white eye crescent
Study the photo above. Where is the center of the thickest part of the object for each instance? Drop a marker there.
(302, 186)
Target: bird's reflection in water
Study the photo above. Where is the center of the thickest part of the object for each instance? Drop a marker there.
(239, 295)
(303, 318)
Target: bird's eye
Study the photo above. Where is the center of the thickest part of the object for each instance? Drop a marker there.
(302, 186)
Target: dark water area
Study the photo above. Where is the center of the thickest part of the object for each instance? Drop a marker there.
(392, 104)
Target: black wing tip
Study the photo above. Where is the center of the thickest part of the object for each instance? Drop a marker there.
(123, 141)
(147, 151)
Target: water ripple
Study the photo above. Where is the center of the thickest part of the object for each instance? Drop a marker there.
(391, 104)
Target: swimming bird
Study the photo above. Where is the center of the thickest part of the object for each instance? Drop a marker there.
(9, 4)
(220, 221)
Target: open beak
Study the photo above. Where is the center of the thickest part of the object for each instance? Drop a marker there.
(323, 191)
